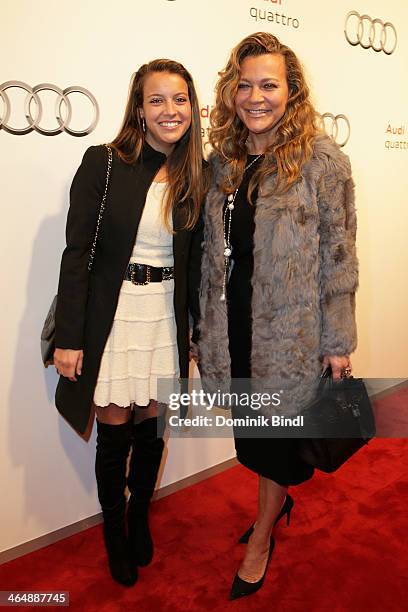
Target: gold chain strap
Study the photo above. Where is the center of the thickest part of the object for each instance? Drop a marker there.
(101, 209)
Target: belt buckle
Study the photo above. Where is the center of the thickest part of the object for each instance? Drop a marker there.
(167, 273)
(136, 271)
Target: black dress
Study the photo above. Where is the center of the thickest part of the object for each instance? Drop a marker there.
(274, 458)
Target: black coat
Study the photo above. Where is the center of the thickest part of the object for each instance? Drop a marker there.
(87, 300)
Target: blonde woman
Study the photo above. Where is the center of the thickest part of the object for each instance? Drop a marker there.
(279, 268)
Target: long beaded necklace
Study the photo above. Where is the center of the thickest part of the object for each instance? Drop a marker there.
(226, 223)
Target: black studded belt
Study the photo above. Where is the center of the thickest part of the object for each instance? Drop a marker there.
(142, 274)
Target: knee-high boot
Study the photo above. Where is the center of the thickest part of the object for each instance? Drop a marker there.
(147, 449)
(112, 449)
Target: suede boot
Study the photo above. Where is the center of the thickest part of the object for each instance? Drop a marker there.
(112, 449)
(147, 450)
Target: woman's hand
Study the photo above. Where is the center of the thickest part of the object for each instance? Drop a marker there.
(68, 362)
(340, 365)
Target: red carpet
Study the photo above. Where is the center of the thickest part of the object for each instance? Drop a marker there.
(345, 549)
(391, 414)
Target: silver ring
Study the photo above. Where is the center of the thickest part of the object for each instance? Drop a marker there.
(366, 37)
(34, 118)
(91, 97)
(334, 128)
(7, 108)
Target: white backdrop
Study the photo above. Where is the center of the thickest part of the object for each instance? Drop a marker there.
(45, 469)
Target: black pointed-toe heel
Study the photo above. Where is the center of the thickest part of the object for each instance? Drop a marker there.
(241, 588)
(286, 509)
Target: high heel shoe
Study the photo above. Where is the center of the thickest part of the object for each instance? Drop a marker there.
(241, 588)
(286, 509)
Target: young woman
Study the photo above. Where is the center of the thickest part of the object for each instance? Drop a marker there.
(281, 209)
(125, 324)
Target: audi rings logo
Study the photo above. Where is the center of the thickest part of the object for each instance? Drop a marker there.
(336, 126)
(370, 33)
(33, 109)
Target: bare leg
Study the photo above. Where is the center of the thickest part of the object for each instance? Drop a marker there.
(113, 414)
(271, 497)
(117, 415)
(141, 413)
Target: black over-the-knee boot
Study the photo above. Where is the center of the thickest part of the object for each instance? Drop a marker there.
(147, 449)
(112, 449)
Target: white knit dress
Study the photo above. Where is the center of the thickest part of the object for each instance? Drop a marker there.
(142, 344)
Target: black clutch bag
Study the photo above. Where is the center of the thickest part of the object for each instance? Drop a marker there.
(339, 422)
(48, 330)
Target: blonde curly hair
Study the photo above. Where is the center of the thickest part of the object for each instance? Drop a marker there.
(293, 144)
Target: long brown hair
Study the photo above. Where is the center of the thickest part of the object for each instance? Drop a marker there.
(184, 164)
(293, 144)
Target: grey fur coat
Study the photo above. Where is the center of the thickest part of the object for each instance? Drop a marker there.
(304, 281)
